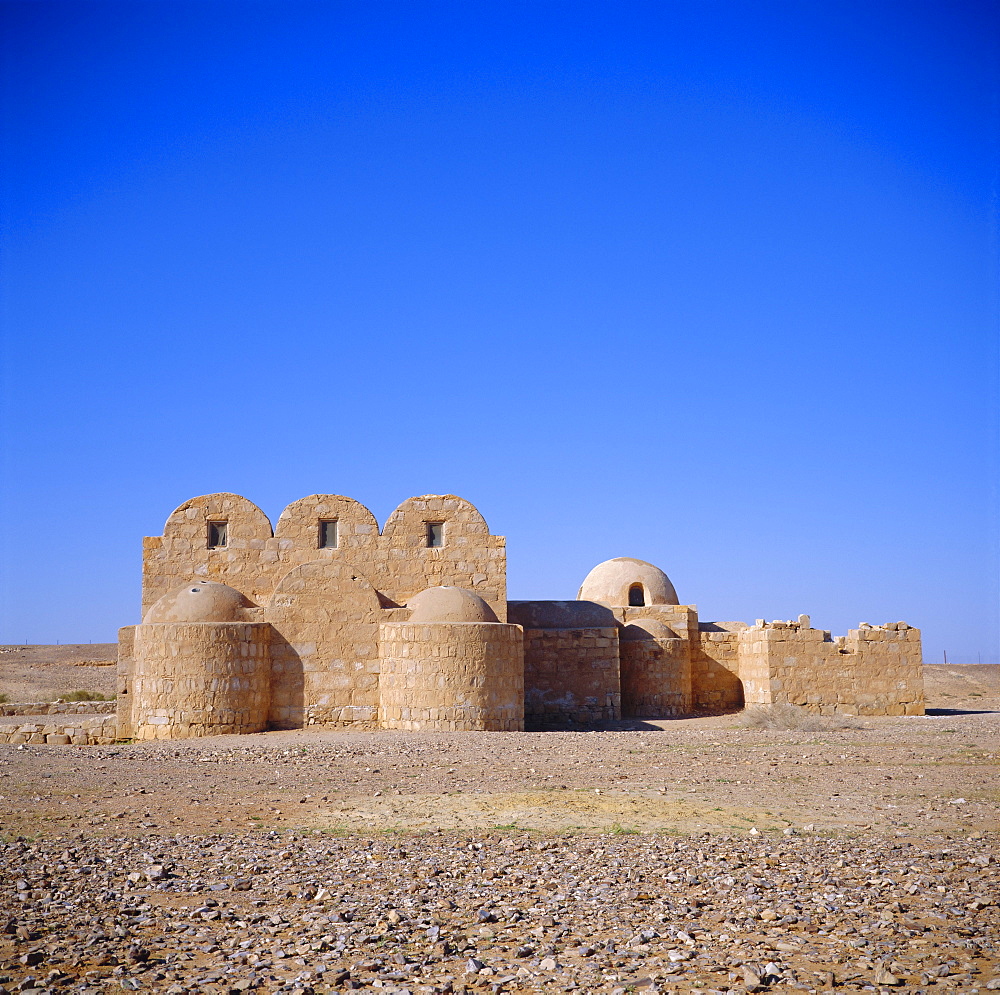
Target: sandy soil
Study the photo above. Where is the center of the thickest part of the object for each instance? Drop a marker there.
(912, 775)
(42, 673)
(669, 856)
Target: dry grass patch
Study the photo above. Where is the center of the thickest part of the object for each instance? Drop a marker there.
(791, 718)
(85, 696)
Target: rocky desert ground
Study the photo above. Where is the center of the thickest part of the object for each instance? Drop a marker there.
(698, 855)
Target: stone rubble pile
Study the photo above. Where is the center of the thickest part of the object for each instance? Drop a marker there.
(92, 730)
(59, 708)
(303, 912)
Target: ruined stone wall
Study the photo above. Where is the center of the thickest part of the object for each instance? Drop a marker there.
(655, 676)
(398, 563)
(200, 679)
(451, 676)
(59, 708)
(715, 667)
(92, 730)
(571, 676)
(871, 671)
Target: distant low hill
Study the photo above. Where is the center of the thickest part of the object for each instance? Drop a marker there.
(972, 685)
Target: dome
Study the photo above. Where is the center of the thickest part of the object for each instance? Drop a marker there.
(646, 628)
(624, 581)
(199, 601)
(449, 604)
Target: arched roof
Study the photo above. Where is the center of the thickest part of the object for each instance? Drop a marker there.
(406, 526)
(357, 525)
(245, 520)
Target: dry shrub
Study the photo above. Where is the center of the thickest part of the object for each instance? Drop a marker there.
(83, 696)
(790, 718)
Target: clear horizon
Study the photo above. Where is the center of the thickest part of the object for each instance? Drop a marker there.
(714, 286)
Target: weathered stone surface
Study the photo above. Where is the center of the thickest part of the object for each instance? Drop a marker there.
(246, 629)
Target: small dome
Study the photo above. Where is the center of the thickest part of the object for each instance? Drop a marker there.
(646, 628)
(449, 604)
(624, 581)
(199, 601)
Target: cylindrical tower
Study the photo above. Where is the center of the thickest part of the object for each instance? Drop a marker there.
(200, 679)
(197, 669)
(452, 666)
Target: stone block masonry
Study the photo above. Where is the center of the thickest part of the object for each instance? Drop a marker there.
(59, 708)
(92, 730)
(461, 676)
(571, 676)
(326, 620)
(874, 670)
(200, 679)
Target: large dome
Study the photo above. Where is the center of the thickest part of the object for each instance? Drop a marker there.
(449, 604)
(625, 581)
(199, 601)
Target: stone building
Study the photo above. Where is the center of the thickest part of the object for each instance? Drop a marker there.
(327, 620)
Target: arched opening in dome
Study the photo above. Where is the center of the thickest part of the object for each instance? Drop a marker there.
(636, 596)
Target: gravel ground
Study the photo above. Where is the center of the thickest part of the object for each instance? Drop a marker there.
(304, 912)
(684, 856)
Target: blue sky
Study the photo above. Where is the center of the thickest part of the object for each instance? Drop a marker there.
(710, 284)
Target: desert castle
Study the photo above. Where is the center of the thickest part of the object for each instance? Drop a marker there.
(327, 620)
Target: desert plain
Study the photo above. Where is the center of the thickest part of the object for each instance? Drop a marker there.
(717, 854)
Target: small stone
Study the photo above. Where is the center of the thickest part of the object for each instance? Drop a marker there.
(885, 977)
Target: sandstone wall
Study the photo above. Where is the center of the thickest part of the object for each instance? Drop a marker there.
(200, 679)
(451, 676)
(715, 667)
(571, 676)
(182, 552)
(470, 557)
(871, 671)
(655, 677)
(59, 708)
(398, 563)
(94, 730)
(324, 650)
(125, 670)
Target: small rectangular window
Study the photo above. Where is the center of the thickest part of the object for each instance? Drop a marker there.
(218, 533)
(435, 534)
(328, 534)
